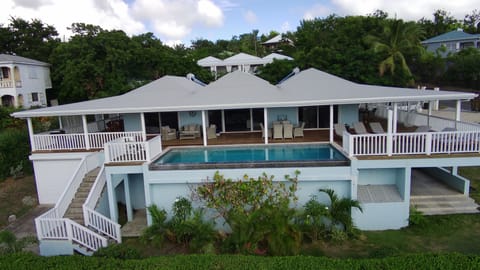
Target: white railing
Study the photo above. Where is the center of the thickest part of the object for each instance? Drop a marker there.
(76, 141)
(124, 150)
(59, 142)
(96, 220)
(87, 164)
(51, 225)
(412, 143)
(99, 139)
(6, 84)
(154, 147)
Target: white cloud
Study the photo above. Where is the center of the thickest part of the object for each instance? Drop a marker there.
(109, 14)
(174, 19)
(285, 26)
(250, 17)
(406, 9)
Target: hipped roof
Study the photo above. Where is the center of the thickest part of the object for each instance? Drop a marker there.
(239, 89)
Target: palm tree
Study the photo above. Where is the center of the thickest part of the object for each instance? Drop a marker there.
(398, 39)
(339, 210)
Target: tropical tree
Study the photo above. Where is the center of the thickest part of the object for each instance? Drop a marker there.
(339, 211)
(398, 40)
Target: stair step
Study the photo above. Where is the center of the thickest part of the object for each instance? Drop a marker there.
(437, 197)
(440, 203)
(431, 212)
(82, 250)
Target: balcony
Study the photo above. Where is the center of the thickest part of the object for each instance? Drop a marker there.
(10, 84)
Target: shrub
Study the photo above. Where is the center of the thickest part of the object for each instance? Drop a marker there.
(118, 251)
(312, 219)
(416, 218)
(14, 151)
(155, 233)
(9, 243)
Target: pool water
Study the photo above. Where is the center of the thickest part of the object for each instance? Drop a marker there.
(261, 154)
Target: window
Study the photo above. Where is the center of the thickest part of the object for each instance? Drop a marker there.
(34, 97)
(5, 73)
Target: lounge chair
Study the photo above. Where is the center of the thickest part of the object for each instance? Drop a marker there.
(376, 127)
(298, 131)
(263, 131)
(339, 129)
(168, 133)
(287, 131)
(212, 132)
(449, 129)
(277, 131)
(423, 129)
(360, 128)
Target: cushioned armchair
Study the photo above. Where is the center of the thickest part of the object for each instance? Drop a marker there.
(168, 133)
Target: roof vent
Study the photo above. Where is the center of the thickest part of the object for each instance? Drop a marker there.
(291, 74)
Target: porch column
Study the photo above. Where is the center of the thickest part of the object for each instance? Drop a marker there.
(144, 129)
(112, 199)
(251, 119)
(128, 201)
(458, 112)
(85, 132)
(389, 133)
(429, 112)
(204, 128)
(60, 123)
(330, 131)
(395, 118)
(223, 120)
(265, 124)
(30, 133)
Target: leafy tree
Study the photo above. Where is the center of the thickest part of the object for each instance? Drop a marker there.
(471, 22)
(339, 210)
(398, 40)
(276, 71)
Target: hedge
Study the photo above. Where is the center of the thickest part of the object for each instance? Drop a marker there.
(416, 261)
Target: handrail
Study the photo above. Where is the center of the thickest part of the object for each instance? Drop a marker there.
(94, 219)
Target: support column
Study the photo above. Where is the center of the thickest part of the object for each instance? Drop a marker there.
(458, 112)
(112, 199)
(455, 170)
(251, 119)
(429, 112)
(30, 133)
(265, 124)
(330, 131)
(144, 129)
(60, 123)
(128, 201)
(85, 132)
(395, 118)
(389, 133)
(223, 121)
(204, 128)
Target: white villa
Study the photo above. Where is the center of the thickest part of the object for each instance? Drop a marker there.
(241, 61)
(112, 150)
(23, 81)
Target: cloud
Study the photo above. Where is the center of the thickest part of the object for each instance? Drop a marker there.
(174, 19)
(31, 3)
(285, 26)
(405, 9)
(317, 10)
(250, 17)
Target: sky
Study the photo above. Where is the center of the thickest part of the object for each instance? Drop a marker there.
(181, 21)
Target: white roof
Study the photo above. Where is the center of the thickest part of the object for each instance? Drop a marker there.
(277, 39)
(243, 58)
(277, 56)
(209, 61)
(243, 90)
(15, 59)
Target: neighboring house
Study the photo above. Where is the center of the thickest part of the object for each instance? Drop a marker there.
(241, 61)
(273, 43)
(126, 144)
(23, 81)
(452, 42)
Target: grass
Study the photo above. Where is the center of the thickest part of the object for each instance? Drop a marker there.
(12, 191)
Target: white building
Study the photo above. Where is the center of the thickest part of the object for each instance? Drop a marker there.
(23, 81)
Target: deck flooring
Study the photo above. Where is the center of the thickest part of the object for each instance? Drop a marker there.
(378, 194)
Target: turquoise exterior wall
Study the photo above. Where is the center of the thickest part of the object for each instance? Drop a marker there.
(185, 118)
(456, 182)
(55, 248)
(102, 206)
(131, 122)
(275, 114)
(348, 114)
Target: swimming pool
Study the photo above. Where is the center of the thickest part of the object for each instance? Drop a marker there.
(251, 156)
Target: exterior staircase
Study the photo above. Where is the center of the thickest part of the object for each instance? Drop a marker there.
(75, 209)
(444, 204)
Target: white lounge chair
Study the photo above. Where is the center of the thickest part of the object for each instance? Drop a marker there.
(339, 129)
(298, 131)
(376, 127)
(212, 132)
(423, 129)
(360, 128)
(277, 131)
(287, 131)
(263, 131)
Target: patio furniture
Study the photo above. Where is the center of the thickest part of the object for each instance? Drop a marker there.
(212, 132)
(449, 129)
(263, 131)
(339, 129)
(287, 131)
(277, 131)
(191, 131)
(423, 129)
(298, 131)
(376, 127)
(360, 128)
(168, 133)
